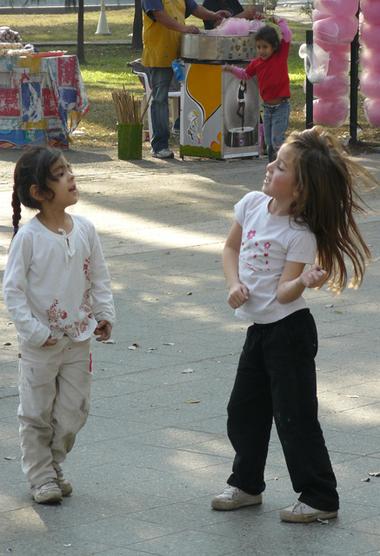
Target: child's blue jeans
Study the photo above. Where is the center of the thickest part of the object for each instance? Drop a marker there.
(276, 379)
(276, 121)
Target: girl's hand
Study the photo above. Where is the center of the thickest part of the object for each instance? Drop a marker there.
(314, 277)
(226, 68)
(50, 342)
(103, 330)
(237, 295)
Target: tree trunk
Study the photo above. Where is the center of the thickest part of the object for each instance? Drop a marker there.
(80, 35)
(137, 27)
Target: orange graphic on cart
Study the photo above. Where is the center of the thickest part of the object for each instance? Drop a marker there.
(216, 146)
(204, 86)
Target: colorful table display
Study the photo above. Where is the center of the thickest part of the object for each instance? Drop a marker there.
(42, 100)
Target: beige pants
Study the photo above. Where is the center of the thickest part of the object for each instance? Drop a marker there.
(54, 389)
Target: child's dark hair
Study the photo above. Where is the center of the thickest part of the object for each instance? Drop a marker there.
(269, 35)
(326, 181)
(32, 168)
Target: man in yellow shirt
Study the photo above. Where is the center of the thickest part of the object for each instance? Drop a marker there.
(164, 22)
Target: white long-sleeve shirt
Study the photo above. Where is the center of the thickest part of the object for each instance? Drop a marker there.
(56, 284)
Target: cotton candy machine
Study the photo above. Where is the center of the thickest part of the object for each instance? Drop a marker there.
(219, 113)
(210, 47)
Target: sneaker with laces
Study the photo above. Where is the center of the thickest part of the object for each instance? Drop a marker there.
(302, 513)
(163, 153)
(48, 493)
(233, 498)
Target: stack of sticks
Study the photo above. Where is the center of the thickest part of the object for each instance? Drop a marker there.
(128, 108)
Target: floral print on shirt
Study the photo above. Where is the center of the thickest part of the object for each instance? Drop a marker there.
(255, 253)
(58, 317)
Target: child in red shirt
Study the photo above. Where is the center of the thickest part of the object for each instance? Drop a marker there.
(271, 69)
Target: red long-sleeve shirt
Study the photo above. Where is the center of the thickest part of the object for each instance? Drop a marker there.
(272, 73)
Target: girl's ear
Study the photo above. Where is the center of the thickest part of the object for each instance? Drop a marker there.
(35, 193)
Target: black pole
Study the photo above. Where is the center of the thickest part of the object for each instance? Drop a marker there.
(309, 88)
(80, 33)
(354, 87)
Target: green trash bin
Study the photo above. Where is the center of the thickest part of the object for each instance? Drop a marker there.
(129, 141)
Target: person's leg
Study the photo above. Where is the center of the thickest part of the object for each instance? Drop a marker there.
(72, 402)
(280, 123)
(290, 348)
(267, 121)
(250, 417)
(38, 369)
(160, 79)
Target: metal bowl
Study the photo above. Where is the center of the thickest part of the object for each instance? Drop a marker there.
(240, 137)
(217, 48)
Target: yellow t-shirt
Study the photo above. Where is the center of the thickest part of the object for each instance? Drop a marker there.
(163, 45)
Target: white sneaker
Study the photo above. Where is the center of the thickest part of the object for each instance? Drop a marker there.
(233, 498)
(47, 493)
(163, 153)
(302, 513)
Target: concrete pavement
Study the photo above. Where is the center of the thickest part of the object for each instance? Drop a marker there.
(154, 450)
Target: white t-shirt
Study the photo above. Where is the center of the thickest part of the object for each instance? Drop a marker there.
(268, 241)
(56, 284)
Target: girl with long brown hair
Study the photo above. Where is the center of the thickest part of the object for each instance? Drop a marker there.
(304, 216)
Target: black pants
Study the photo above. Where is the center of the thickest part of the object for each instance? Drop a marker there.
(276, 379)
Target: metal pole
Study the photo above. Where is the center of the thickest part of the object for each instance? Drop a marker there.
(354, 86)
(309, 88)
(80, 33)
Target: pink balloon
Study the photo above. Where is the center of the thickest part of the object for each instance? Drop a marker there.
(332, 86)
(331, 112)
(369, 84)
(371, 11)
(370, 35)
(336, 29)
(337, 7)
(370, 60)
(372, 111)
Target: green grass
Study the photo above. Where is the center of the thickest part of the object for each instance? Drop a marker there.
(107, 68)
(44, 27)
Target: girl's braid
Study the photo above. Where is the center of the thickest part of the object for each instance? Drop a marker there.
(16, 205)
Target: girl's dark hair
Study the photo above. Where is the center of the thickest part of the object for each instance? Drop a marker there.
(269, 35)
(32, 168)
(326, 181)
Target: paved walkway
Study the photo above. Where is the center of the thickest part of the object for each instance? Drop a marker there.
(154, 450)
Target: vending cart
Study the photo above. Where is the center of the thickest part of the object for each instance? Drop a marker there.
(219, 113)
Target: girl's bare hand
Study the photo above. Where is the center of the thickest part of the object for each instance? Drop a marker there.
(103, 330)
(314, 277)
(50, 342)
(237, 295)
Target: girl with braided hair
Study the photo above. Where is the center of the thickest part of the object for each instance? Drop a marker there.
(57, 290)
(303, 216)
